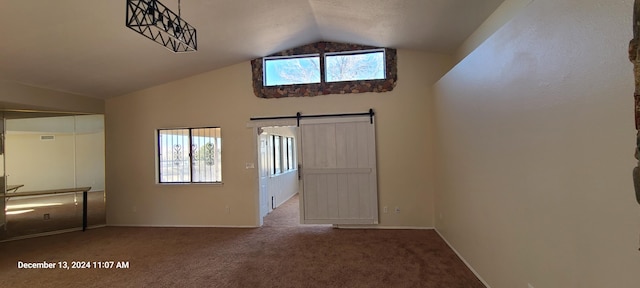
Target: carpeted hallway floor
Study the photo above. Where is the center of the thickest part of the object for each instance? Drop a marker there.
(279, 254)
(287, 215)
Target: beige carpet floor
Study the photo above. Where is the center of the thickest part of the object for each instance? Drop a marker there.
(276, 255)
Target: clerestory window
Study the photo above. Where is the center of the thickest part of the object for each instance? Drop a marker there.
(355, 65)
(336, 67)
(291, 70)
(325, 68)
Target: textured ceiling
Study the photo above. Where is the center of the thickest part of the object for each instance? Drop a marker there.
(83, 47)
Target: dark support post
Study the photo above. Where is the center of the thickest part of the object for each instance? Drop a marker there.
(84, 210)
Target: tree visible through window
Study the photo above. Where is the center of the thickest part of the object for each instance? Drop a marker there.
(325, 68)
(368, 65)
(292, 70)
(190, 155)
(340, 66)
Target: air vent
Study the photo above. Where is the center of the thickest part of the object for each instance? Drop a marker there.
(47, 137)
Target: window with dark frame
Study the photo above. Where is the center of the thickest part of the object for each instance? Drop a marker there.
(277, 154)
(335, 67)
(189, 155)
(285, 154)
(354, 65)
(343, 69)
(290, 161)
(291, 70)
(282, 154)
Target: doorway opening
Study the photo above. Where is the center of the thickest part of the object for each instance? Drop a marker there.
(335, 175)
(278, 173)
(286, 215)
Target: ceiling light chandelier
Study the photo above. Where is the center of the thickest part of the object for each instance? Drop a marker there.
(155, 21)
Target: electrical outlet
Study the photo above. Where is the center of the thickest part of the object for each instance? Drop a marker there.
(227, 209)
(397, 209)
(46, 216)
(385, 209)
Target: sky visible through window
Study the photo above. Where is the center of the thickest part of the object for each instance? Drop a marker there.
(287, 71)
(368, 65)
(350, 67)
(183, 161)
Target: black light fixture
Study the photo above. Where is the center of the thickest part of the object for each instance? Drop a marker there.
(155, 21)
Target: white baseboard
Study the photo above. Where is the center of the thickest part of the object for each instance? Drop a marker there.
(463, 260)
(382, 227)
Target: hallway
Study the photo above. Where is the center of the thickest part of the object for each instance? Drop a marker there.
(288, 215)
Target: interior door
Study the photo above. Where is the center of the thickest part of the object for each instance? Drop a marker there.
(263, 165)
(339, 174)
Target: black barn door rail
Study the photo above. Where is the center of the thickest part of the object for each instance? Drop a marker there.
(299, 116)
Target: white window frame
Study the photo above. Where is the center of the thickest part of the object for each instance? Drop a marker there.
(217, 156)
(283, 153)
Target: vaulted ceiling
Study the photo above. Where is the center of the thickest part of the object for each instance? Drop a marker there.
(83, 46)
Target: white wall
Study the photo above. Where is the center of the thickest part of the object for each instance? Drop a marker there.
(535, 142)
(505, 12)
(283, 186)
(225, 98)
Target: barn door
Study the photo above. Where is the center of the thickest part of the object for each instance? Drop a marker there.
(338, 171)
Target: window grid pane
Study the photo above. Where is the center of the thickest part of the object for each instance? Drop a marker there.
(189, 155)
(174, 155)
(290, 163)
(358, 66)
(205, 145)
(285, 155)
(277, 160)
(288, 71)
